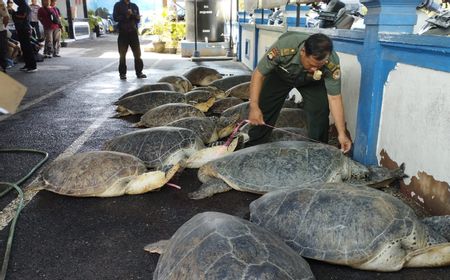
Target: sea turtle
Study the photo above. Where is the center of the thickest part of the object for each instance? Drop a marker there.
(142, 102)
(201, 75)
(149, 87)
(342, 224)
(241, 91)
(214, 245)
(209, 129)
(229, 82)
(167, 113)
(180, 83)
(200, 99)
(285, 164)
(166, 146)
(102, 174)
(221, 105)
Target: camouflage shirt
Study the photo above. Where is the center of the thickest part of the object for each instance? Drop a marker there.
(283, 58)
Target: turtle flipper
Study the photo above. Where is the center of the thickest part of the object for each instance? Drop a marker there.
(431, 256)
(210, 188)
(439, 224)
(157, 247)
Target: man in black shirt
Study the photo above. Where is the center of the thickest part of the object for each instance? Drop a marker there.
(127, 15)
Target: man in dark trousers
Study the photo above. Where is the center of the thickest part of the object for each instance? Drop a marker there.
(23, 28)
(309, 64)
(127, 15)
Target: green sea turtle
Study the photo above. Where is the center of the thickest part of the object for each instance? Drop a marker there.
(167, 113)
(200, 99)
(241, 91)
(285, 164)
(342, 224)
(180, 83)
(201, 75)
(221, 105)
(142, 102)
(102, 174)
(149, 87)
(229, 82)
(167, 146)
(214, 245)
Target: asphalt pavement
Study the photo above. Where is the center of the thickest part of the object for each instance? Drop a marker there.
(68, 109)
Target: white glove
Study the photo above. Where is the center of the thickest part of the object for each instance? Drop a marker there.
(296, 94)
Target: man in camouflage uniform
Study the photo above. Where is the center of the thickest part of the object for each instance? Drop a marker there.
(309, 64)
(4, 17)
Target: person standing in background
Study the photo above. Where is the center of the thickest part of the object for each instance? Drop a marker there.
(57, 33)
(50, 28)
(4, 18)
(23, 28)
(128, 17)
(34, 18)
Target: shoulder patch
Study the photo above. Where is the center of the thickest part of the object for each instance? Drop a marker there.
(288, 51)
(331, 66)
(273, 53)
(337, 73)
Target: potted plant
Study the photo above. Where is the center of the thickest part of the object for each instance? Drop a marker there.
(160, 28)
(64, 33)
(177, 33)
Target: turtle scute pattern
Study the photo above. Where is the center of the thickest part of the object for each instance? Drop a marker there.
(157, 146)
(89, 173)
(343, 224)
(214, 245)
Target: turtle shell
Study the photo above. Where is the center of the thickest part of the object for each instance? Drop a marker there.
(205, 128)
(292, 117)
(284, 164)
(231, 81)
(214, 245)
(158, 146)
(167, 113)
(339, 223)
(201, 75)
(149, 87)
(241, 91)
(241, 110)
(222, 104)
(180, 83)
(142, 102)
(90, 173)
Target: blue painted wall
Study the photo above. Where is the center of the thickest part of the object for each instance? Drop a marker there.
(386, 41)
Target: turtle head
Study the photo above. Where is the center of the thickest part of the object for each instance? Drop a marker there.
(226, 125)
(151, 180)
(356, 170)
(211, 153)
(380, 176)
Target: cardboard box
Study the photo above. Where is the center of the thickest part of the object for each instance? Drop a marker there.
(11, 93)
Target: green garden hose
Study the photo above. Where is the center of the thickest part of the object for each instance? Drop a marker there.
(20, 206)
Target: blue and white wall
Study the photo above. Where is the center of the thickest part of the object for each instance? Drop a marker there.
(396, 90)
